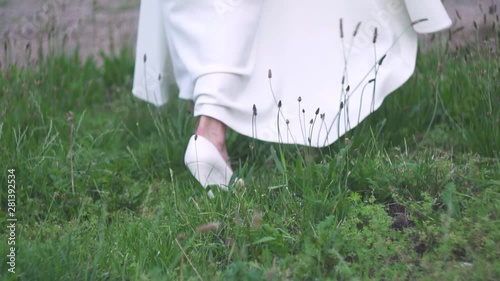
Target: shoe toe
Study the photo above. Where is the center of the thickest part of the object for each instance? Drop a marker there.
(206, 164)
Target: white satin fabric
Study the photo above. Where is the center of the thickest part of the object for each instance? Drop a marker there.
(329, 70)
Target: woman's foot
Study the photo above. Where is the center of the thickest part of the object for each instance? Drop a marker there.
(206, 155)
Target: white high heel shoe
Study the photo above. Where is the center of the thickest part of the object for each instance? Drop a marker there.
(206, 164)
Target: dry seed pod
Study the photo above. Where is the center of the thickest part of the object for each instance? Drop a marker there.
(257, 219)
(208, 227)
(181, 236)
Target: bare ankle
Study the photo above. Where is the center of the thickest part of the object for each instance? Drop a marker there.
(212, 129)
(215, 131)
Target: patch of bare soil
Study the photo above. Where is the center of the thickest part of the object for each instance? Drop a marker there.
(32, 28)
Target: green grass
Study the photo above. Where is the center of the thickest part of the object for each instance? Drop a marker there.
(413, 195)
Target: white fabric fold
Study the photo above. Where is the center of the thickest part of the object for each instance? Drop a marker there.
(153, 71)
(430, 15)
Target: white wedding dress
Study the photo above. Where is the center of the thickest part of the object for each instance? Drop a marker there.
(290, 71)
